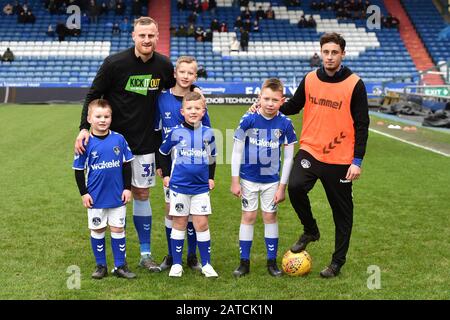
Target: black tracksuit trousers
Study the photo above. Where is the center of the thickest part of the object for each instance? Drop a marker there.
(304, 174)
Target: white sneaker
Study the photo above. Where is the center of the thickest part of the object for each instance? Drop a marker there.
(176, 270)
(209, 271)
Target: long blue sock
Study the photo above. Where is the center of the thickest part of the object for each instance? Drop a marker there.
(271, 239)
(142, 218)
(177, 245)
(118, 248)
(98, 247)
(191, 239)
(168, 224)
(204, 246)
(245, 240)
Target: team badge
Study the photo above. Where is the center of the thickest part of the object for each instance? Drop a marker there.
(179, 207)
(305, 163)
(116, 150)
(168, 115)
(183, 143)
(255, 131)
(278, 133)
(244, 202)
(96, 221)
(94, 154)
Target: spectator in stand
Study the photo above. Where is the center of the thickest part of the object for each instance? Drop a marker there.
(260, 13)
(245, 37)
(136, 8)
(8, 56)
(22, 17)
(104, 8)
(190, 32)
(302, 23)
(201, 72)
(120, 8)
(192, 18)
(215, 25)
(205, 5)
(50, 32)
(311, 23)
(270, 14)
(181, 31)
(238, 23)
(30, 18)
(247, 25)
(246, 14)
(61, 31)
(212, 7)
(115, 28)
(199, 34)
(8, 9)
(234, 45)
(255, 26)
(125, 26)
(93, 11)
(315, 61)
(173, 31)
(223, 27)
(243, 3)
(208, 35)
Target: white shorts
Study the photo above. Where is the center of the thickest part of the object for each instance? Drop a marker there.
(98, 218)
(266, 191)
(166, 194)
(185, 204)
(143, 171)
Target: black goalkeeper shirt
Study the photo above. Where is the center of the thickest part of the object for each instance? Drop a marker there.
(132, 86)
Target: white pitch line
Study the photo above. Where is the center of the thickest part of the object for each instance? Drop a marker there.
(411, 143)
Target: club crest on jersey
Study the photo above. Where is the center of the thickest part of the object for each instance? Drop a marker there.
(305, 163)
(94, 154)
(96, 221)
(183, 143)
(116, 150)
(278, 133)
(168, 115)
(255, 131)
(179, 207)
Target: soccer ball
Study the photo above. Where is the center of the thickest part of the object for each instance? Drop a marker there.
(296, 264)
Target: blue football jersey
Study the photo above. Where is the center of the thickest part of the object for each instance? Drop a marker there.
(190, 150)
(168, 112)
(103, 161)
(263, 140)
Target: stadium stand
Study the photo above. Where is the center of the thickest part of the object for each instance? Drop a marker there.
(280, 49)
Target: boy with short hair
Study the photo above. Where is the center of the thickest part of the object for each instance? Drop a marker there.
(108, 188)
(256, 160)
(192, 147)
(169, 116)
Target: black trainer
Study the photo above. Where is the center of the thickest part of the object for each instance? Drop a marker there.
(193, 263)
(303, 241)
(166, 263)
(123, 272)
(273, 268)
(100, 272)
(331, 271)
(243, 269)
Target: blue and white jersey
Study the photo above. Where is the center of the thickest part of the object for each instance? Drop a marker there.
(103, 160)
(168, 112)
(263, 140)
(190, 150)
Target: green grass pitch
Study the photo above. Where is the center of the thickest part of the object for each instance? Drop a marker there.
(401, 224)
